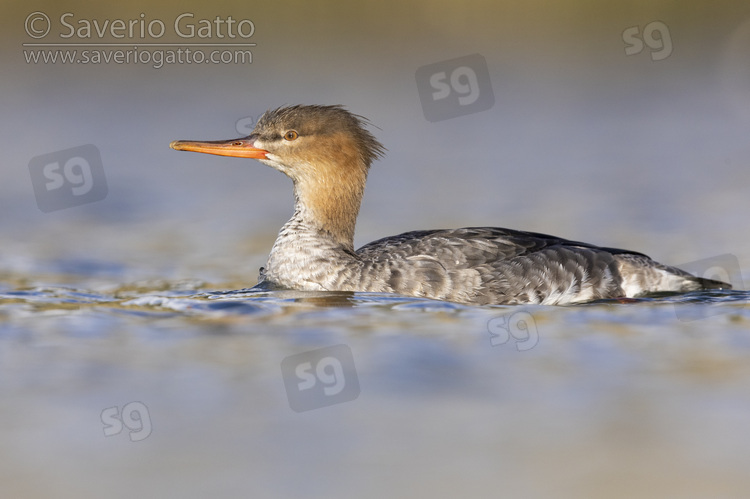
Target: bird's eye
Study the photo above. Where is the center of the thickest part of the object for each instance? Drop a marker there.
(291, 135)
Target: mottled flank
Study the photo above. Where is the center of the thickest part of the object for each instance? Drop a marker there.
(480, 265)
(327, 152)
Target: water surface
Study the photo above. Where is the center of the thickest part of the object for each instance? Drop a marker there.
(651, 391)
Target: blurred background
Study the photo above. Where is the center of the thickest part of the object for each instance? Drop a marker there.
(624, 124)
(583, 141)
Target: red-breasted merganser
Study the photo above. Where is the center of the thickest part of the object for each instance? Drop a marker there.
(327, 152)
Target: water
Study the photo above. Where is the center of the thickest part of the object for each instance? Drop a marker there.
(450, 400)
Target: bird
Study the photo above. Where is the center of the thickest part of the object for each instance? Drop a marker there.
(326, 151)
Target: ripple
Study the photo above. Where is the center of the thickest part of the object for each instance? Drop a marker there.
(181, 298)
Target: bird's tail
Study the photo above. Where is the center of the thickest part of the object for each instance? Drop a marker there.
(710, 283)
(642, 274)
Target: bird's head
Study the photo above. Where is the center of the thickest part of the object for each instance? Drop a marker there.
(325, 150)
(327, 142)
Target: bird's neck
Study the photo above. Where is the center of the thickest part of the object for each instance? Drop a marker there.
(329, 202)
(315, 247)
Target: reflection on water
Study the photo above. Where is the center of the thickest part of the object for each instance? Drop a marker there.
(169, 388)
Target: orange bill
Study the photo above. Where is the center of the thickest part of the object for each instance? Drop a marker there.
(238, 148)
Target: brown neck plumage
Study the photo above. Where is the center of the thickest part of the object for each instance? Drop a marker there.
(329, 192)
